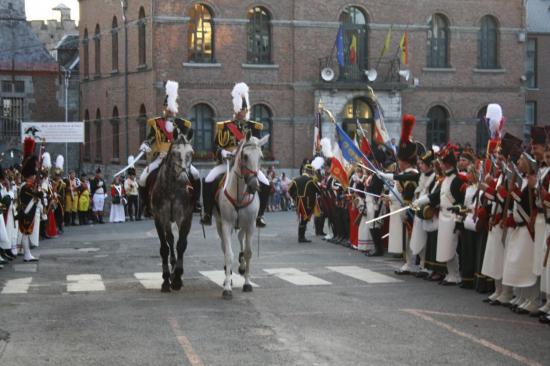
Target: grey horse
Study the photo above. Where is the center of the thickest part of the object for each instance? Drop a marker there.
(172, 208)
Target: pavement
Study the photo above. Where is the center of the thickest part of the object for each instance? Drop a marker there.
(94, 299)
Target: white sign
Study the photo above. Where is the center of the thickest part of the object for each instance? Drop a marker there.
(54, 132)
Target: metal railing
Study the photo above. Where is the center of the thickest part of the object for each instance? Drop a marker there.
(387, 69)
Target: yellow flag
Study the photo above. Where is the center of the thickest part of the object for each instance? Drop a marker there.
(404, 47)
(387, 42)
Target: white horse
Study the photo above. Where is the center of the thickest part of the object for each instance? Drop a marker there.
(238, 206)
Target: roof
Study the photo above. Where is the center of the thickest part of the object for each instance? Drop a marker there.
(538, 16)
(19, 43)
(61, 7)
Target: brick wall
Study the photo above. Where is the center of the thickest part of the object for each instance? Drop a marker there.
(541, 95)
(303, 32)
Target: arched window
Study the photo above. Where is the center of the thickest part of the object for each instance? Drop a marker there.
(438, 42)
(87, 137)
(488, 43)
(202, 117)
(142, 123)
(86, 55)
(98, 153)
(200, 34)
(115, 124)
(438, 126)
(354, 59)
(114, 45)
(142, 22)
(262, 113)
(97, 50)
(259, 36)
(482, 131)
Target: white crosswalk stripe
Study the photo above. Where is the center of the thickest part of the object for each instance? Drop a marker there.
(85, 283)
(17, 286)
(297, 277)
(363, 274)
(219, 276)
(150, 280)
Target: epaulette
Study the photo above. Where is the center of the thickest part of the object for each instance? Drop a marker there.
(257, 125)
(462, 176)
(186, 122)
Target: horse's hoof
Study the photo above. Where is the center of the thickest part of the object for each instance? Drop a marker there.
(247, 287)
(227, 295)
(177, 284)
(241, 271)
(165, 287)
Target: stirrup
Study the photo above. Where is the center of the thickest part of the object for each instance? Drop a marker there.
(260, 222)
(206, 220)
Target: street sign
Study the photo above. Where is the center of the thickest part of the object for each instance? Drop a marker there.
(54, 132)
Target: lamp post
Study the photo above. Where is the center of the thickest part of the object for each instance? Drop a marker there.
(67, 73)
(124, 4)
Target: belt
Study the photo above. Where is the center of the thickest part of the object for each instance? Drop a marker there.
(540, 210)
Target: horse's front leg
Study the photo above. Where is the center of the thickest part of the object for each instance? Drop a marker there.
(184, 227)
(242, 260)
(228, 261)
(164, 252)
(247, 255)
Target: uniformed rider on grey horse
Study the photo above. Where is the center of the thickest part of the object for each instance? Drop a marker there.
(228, 135)
(163, 131)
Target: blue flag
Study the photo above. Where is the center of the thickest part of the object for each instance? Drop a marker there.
(340, 46)
(350, 151)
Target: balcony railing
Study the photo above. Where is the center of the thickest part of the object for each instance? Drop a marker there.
(387, 70)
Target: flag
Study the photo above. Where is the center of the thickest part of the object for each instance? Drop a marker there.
(317, 134)
(349, 150)
(381, 135)
(340, 46)
(387, 42)
(404, 47)
(364, 144)
(337, 170)
(353, 50)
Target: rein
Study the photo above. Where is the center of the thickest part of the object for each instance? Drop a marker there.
(244, 173)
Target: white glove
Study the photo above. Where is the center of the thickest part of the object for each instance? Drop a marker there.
(386, 176)
(226, 154)
(145, 147)
(422, 200)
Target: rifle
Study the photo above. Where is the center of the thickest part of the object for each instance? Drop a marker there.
(511, 180)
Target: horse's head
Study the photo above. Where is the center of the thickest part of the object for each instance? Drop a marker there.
(248, 161)
(181, 156)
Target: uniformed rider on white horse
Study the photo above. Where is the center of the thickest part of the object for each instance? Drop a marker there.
(162, 131)
(228, 135)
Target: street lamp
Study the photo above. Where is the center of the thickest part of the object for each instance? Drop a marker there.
(124, 5)
(67, 73)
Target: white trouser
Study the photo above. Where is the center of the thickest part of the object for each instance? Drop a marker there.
(222, 168)
(154, 165)
(453, 271)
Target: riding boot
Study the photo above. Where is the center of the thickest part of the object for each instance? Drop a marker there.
(144, 200)
(302, 232)
(264, 199)
(73, 218)
(196, 193)
(208, 192)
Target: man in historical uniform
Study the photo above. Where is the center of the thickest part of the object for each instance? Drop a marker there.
(228, 136)
(58, 192)
(98, 193)
(450, 195)
(162, 131)
(406, 182)
(29, 198)
(304, 191)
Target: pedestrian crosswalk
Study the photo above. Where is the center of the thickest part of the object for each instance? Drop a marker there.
(266, 277)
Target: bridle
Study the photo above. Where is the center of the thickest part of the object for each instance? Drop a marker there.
(244, 171)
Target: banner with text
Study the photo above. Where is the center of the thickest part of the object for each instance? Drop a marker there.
(54, 132)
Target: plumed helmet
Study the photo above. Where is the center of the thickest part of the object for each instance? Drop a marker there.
(408, 149)
(511, 146)
(538, 135)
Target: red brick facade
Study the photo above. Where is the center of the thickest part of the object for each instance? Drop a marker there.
(302, 32)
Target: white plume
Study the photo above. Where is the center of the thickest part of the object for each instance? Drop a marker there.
(131, 160)
(172, 93)
(318, 163)
(240, 91)
(436, 149)
(60, 162)
(46, 160)
(326, 148)
(494, 119)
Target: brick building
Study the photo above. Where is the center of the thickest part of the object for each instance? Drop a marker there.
(461, 58)
(537, 61)
(29, 80)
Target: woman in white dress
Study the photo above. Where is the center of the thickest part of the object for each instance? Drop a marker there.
(117, 201)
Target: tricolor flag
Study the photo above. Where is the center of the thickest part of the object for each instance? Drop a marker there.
(340, 46)
(353, 50)
(317, 134)
(404, 47)
(381, 135)
(337, 169)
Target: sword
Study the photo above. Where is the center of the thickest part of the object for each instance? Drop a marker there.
(202, 211)
(364, 192)
(389, 214)
(129, 166)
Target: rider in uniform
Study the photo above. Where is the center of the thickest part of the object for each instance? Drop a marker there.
(228, 135)
(304, 191)
(163, 131)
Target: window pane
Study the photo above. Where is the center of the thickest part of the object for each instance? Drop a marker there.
(11, 116)
(530, 118)
(354, 25)
(200, 34)
(437, 126)
(531, 64)
(482, 131)
(261, 113)
(438, 42)
(487, 44)
(97, 50)
(203, 124)
(141, 36)
(19, 86)
(259, 44)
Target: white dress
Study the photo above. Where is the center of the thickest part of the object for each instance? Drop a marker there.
(493, 260)
(447, 238)
(98, 200)
(117, 210)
